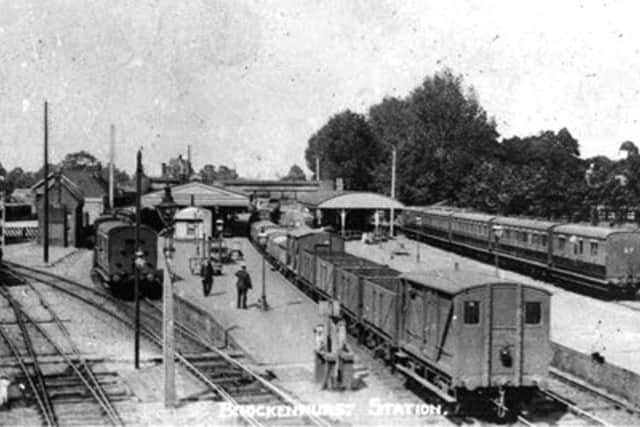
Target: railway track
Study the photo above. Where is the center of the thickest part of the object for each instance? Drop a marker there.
(225, 378)
(54, 397)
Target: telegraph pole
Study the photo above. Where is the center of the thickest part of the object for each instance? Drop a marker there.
(112, 144)
(45, 237)
(393, 187)
(136, 284)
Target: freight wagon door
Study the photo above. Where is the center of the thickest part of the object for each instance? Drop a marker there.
(414, 323)
(505, 324)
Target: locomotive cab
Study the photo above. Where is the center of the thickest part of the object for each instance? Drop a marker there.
(115, 257)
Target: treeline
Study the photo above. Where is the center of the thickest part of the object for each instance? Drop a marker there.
(448, 152)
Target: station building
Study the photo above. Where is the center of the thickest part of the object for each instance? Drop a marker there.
(76, 199)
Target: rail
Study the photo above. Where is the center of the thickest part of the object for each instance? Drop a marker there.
(156, 339)
(87, 377)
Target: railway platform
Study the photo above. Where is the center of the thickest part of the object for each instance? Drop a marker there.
(30, 254)
(280, 341)
(581, 325)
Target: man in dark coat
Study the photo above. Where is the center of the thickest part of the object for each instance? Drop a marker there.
(206, 271)
(243, 284)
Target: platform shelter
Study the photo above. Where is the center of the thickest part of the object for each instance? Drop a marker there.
(350, 211)
(193, 223)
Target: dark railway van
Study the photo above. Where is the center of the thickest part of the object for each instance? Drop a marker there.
(465, 333)
(114, 256)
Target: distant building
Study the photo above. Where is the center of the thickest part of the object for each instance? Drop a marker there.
(76, 199)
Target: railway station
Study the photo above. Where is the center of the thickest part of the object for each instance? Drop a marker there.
(319, 214)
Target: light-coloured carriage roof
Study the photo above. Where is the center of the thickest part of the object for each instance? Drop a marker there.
(455, 281)
(473, 216)
(589, 230)
(431, 211)
(525, 222)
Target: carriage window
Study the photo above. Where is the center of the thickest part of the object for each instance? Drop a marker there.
(544, 240)
(532, 313)
(471, 312)
(561, 243)
(594, 249)
(581, 247)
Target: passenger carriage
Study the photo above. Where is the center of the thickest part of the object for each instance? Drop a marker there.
(471, 230)
(524, 241)
(604, 257)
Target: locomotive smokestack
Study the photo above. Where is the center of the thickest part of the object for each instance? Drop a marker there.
(164, 170)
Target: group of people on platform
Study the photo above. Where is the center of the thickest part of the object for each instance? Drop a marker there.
(243, 283)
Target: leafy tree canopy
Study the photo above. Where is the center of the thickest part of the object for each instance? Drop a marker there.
(347, 149)
(295, 174)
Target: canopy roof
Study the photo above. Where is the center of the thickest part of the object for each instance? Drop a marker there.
(203, 195)
(348, 200)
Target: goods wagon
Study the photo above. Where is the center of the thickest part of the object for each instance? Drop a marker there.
(464, 332)
(114, 258)
(305, 239)
(326, 265)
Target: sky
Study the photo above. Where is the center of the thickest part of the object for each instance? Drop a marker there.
(247, 82)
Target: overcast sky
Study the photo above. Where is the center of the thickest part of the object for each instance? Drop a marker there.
(246, 82)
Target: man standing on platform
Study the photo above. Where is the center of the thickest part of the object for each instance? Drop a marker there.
(206, 271)
(243, 284)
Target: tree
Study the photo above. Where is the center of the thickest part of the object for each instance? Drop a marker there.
(120, 177)
(347, 149)
(18, 178)
(390, 122)
(225, 173)
(208, 174)
(630, 148)
(448, 135)
(295, 174)
(80, 160)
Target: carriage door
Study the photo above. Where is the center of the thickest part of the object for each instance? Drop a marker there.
(504, 332)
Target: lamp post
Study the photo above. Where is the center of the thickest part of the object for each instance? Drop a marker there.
(262, 303)
(3, 212)
(167, 209)
(136, 272)
(497, 235)
(419, 224)
(264, 306)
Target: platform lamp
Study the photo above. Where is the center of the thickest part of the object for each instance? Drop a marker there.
(167, 209)
(497, 235)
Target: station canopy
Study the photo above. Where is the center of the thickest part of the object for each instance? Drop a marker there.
(202, 195)
(348, 200)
